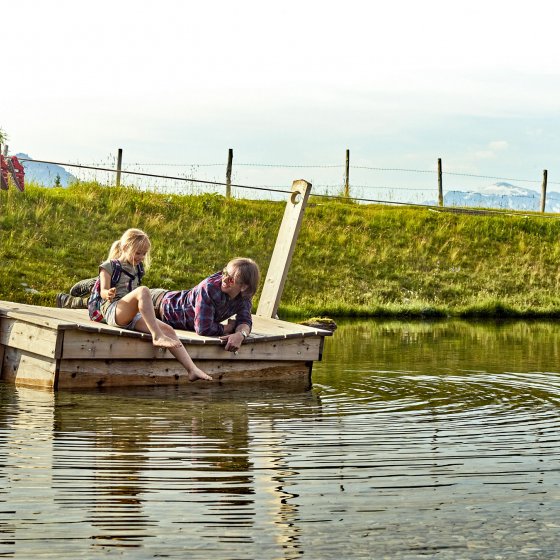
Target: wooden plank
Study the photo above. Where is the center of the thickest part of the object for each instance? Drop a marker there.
(26, 336)
(71, 319)
(60, 319)
(283, 249)
(85, 345)
(321, 349)
(268, 327)
(44, 316)
(36, 319)
(271, 329)
(36, 340)
(97, 346)
(23, 368)
(64, 319)
(108, 373)
(282, 350)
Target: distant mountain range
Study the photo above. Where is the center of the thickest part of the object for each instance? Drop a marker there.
(503, 195)
(45, 173)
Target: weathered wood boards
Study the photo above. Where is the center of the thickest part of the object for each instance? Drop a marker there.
(61, 348)
(284, 249)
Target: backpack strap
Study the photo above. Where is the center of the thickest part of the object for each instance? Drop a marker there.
(140, 272)
(95, 299)
(118, 270)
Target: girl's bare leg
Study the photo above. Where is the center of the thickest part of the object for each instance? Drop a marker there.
(140, 300)
(179, 352)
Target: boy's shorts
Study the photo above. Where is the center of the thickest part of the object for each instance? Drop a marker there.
(157, 295)
(110, 318)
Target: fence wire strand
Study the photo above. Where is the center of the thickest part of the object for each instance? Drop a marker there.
(317, 195)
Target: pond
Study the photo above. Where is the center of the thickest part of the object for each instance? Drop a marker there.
(415, 440)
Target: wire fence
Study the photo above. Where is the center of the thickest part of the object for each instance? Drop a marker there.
(362, 183)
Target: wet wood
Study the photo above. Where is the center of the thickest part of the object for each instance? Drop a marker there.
(34, 338)
(119, 373)
(85, 346)
(20, 367)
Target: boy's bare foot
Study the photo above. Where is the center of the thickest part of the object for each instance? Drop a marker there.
(196, 373)
(165, 342)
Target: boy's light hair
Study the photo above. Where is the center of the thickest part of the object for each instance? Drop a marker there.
(131, 241)
(246, 271)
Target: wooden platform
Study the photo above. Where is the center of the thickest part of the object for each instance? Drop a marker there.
(61, 348)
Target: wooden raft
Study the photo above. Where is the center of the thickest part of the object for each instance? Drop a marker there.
(61, 348)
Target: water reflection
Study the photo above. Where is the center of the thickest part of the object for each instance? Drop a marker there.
(447, 365)
(416, 439)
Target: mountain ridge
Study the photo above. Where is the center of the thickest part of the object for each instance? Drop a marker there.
(45, 174)
(502, 195)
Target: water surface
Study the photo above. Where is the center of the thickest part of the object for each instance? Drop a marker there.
(416, 440)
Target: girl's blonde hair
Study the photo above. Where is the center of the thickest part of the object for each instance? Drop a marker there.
(131, 241)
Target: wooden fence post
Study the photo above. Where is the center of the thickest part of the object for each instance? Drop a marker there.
(228, 172)
(543, 189)
(283, 249)
(119, 167)
(347, 176)
(440, 182)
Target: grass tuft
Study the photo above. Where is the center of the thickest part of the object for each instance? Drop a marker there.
(350, 260)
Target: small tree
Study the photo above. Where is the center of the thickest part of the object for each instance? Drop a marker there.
(57, 181)
(3, 136)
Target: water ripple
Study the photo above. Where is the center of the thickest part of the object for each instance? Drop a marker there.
(413, 442)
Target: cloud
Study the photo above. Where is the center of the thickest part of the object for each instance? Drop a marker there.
(492, 149)
(498, 145)
(485, 154)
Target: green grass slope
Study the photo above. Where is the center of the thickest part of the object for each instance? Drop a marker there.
(350, 260)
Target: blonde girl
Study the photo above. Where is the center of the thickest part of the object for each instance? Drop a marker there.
(127, 305)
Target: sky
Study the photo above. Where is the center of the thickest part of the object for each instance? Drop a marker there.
(400, 84)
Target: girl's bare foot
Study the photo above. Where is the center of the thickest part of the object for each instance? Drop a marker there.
(196, 373)
(165, 342)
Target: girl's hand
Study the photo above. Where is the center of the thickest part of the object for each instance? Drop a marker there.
(111, 292)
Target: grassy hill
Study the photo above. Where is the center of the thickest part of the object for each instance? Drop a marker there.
(350, 259)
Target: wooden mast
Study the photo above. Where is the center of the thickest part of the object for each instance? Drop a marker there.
(284, 249)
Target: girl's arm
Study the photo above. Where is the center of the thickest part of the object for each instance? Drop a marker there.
(105, 289)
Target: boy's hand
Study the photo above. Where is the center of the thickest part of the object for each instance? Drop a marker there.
(233, 341)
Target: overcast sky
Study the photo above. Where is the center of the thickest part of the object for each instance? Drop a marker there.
(399, 83)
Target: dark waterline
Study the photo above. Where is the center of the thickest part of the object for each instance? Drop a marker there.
(416, 440)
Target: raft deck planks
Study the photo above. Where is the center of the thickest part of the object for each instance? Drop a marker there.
(61, 348)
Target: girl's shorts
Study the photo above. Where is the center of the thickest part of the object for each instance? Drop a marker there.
(110, 318)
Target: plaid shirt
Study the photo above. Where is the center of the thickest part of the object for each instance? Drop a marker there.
(202, 308)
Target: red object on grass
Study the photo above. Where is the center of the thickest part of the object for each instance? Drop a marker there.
(17, 171)
(3, 173)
